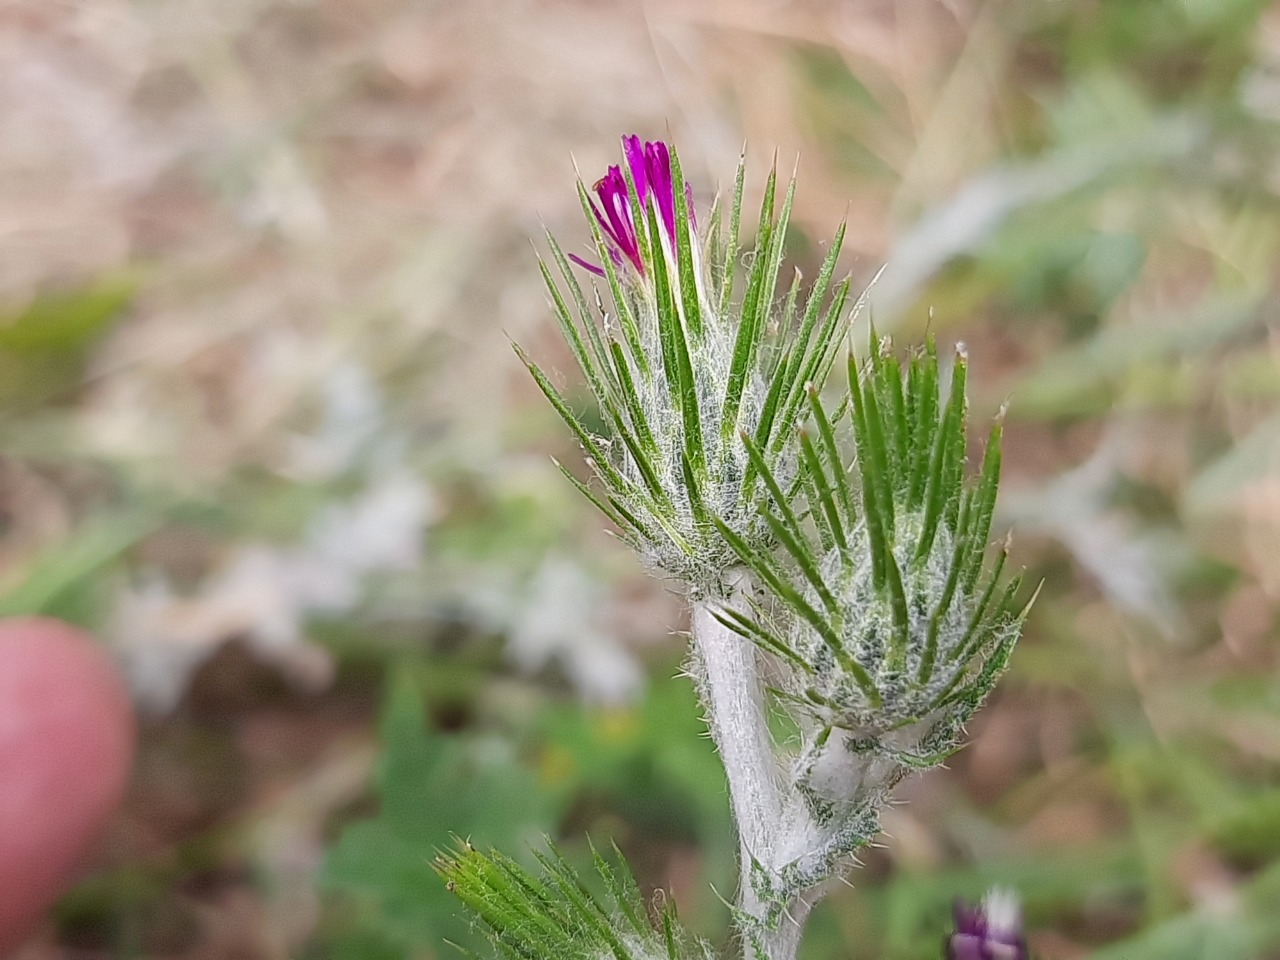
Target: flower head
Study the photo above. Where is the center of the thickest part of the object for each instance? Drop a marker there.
(650, 167)
(901, 627)
(990, 931)
(681, 369)
(615, 221)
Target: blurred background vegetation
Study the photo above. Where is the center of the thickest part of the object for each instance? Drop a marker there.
(261, 429)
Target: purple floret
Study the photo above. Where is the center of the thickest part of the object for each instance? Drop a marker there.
(650, 166)
(990, 931)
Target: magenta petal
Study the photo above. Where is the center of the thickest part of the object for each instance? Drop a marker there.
(649, 165)
(658, 168)
(586, 265)
(612, 190)
(969, 919)
(966, 946)
(976, 938)
(613, 214)
(604, 224)
(634, 152)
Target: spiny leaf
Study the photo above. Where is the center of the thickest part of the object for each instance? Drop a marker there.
(783, 502)
(963, 649)
(776, 248)
(942, 477)
(767, 412)
(622, 888)
(763, 567)
(813, 366)
(818, 476)
(732, 247)
(986, 501)
(616, 516)
(639, 420)
(689, 301)
(589, 444)
(828, 437)
(552, 915)
(813, 308)
(639, 455)
(598, 353)
(870, 493)
(622, 303)
(898, 604)
(954, 482)
(925, 422)
(873, 452)
(752, 630)
(697, 504)
(569, 330)
(944, 602)
(676, 359)
(805, 559)
(751, 328)
(897, 439)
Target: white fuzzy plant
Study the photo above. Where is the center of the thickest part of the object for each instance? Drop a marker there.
(835, 560)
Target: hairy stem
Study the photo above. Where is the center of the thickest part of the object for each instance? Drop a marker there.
(732, 692)
(729, 678)
(783, 942)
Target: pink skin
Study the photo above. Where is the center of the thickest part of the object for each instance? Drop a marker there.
(66, 747)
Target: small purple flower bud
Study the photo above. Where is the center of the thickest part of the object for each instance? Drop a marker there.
(615, 220)
(650, 166)
(990, 931)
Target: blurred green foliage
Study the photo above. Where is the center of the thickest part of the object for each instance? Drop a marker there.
(1085, 191)
(44, 347)
(426, 782)
(643, 777)
(1120, 243)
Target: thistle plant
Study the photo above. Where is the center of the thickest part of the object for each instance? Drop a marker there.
(835, 556)
(680, 371)
(883, 626)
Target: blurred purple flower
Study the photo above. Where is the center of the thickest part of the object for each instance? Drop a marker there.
(990, 931)
(650, 166)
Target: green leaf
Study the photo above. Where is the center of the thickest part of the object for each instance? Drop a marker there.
(632, 399)
(76, 561)
(828, 437)
(985, 502)
(818, 477)
(781, 500)
(873, 436)
(814, 366)
(676, 362)
(946, 461)
(59, 320)
(692, 306)
(751, 327)
(871, 508)
(622, 303)
(600, 463)
(753, 630)
(925, 421)
(431, 786)
(805, 559)
(732, 247)
(597, 370)
(551, 915)
(944, 601)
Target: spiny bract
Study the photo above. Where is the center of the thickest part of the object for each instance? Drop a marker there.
(891, 617)
(682, 370)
